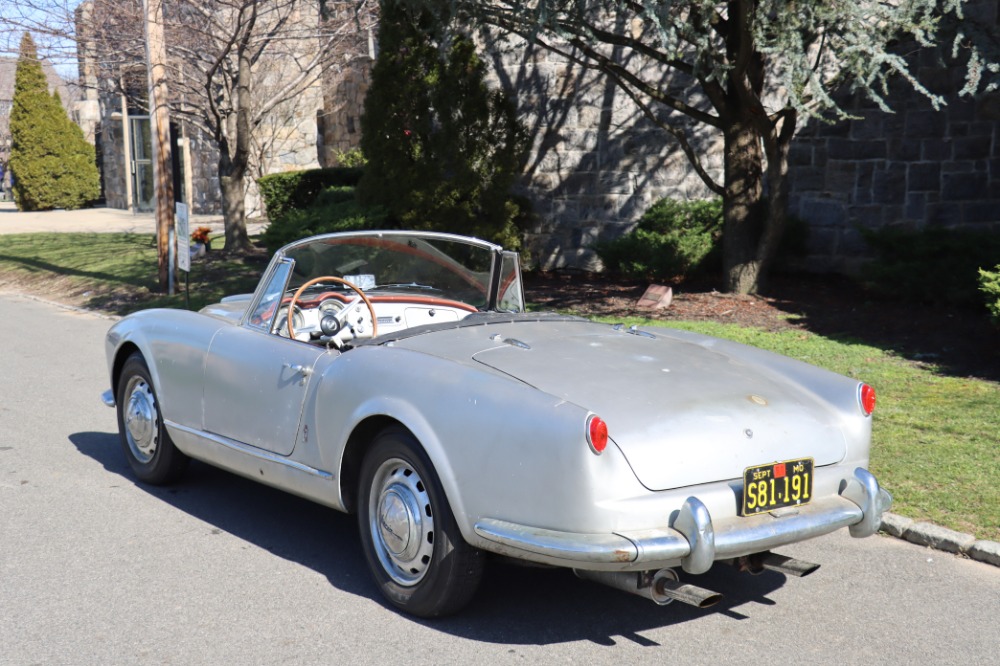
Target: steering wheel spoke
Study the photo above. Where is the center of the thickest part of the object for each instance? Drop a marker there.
(347, 330)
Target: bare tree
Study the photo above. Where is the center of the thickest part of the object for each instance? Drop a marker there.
(227, 90)
(232, 65)
(51, 23)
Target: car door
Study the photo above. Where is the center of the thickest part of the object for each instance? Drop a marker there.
(255, 387)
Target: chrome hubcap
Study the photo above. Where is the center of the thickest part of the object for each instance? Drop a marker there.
(140, 420)
(401, 522)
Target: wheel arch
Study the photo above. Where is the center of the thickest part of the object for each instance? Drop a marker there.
(122, 354)
(358, 443)
(365, 432)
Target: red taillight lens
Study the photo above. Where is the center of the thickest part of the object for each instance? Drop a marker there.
(866, 396)
(597, 434)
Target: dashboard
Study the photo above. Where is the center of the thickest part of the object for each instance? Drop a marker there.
(394, 312)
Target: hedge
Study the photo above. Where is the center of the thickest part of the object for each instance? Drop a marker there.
(298, 190)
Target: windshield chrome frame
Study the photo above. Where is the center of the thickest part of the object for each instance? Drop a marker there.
(495, 263)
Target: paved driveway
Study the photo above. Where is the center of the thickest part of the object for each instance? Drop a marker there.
(97, 220)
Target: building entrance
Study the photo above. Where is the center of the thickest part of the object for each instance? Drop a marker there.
(142, 163)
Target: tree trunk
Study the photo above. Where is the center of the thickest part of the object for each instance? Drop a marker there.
(233, 206)
(776, 145)
(743, 207)
(233, 169)
(156, 58)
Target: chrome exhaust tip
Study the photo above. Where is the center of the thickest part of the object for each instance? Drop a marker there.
(768, 561)
(789, 565)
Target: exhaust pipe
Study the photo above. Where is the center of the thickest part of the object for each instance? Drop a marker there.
(660, 587)
(759, 562)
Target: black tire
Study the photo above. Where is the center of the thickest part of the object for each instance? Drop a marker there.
(411, 541)
(152, 456)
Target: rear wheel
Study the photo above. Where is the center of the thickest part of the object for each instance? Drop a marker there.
(150, 453)
(410, 538)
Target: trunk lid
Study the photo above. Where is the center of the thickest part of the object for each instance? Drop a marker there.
(681, 412)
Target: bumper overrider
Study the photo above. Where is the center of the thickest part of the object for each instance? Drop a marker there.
(693, 541)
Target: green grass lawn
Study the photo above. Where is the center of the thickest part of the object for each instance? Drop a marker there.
(115, 272)
(936, 437)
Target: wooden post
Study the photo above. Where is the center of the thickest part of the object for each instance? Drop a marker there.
(127, 146)
(156, 59)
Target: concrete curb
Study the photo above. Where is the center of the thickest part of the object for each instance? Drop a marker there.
(940, 538)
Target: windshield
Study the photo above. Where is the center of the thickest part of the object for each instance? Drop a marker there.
(443, 266)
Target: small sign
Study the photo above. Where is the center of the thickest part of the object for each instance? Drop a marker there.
(657, 297)
(182, 229)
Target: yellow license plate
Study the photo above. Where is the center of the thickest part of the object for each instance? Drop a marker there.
(777, 485)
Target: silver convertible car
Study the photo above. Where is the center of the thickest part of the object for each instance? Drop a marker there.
(398, 377)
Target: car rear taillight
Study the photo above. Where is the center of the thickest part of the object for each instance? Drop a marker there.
(597, 434)
(866, 398)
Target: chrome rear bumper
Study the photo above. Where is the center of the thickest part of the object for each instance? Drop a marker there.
(694, 541)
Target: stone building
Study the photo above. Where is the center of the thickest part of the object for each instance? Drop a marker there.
(305, 130)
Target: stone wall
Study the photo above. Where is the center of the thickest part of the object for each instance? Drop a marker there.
(913, 169)
(345, 88)
(596, 163)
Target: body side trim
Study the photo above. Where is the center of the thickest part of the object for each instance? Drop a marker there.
(251, 451)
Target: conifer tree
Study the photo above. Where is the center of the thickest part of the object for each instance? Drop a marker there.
(443, 150)
(52, 163)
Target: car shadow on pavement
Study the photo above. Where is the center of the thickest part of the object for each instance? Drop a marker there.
(535, 606)
(515, 605)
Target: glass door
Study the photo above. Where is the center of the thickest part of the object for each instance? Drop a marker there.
(142, 163)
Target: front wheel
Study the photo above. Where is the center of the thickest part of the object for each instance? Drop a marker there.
(147, 446)
(410, 538)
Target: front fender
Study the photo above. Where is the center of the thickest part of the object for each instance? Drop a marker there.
(174, 344)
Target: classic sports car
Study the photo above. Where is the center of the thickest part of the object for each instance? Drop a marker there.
(397, 376)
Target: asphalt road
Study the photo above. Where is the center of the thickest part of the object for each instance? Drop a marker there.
(95, 569)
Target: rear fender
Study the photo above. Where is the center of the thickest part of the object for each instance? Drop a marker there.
(482, 431)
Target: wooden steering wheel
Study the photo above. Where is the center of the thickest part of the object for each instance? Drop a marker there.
(331, 278)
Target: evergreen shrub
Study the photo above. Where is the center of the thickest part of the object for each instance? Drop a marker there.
(672, 239)
(444, 151)
(335, 208)
(53, 165)
(296, 190)
(929, 266)
(352, 158)
(989, 285)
